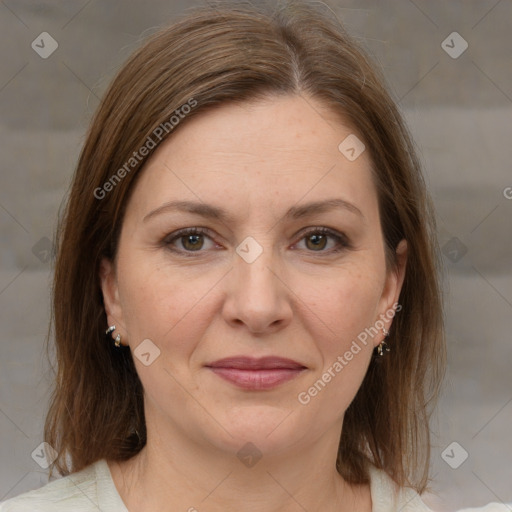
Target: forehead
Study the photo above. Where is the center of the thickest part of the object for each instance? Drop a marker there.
(265, 153)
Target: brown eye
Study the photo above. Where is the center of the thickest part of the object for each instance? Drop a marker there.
(318, 241)
(187, 241)
(192, 242)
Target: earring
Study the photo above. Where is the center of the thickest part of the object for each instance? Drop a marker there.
(383, 346)
(117, 341)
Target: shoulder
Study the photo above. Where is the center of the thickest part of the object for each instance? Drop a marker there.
(491, 507)
(77, 492)
(388, 497)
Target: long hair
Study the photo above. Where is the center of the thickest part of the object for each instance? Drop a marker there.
(211, 57)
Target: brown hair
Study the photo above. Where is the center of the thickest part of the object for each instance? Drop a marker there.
(221, 54)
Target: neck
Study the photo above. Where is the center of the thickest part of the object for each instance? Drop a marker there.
(183, 475)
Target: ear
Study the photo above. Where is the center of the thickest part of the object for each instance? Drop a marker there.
(110, 290)
(393, 286)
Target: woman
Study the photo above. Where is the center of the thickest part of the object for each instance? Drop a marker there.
(246, 309)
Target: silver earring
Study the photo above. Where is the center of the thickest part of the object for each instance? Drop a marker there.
(383, 346)
(117, 341)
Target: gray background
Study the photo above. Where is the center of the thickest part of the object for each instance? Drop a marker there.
(460, 113)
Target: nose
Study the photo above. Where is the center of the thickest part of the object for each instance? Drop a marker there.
(257, 296)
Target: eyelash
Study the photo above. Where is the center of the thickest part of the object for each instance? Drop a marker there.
(341, 239)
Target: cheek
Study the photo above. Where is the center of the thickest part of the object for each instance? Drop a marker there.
(347, 307)
(162, 304)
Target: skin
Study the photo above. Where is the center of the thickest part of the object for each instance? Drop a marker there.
(298, 300)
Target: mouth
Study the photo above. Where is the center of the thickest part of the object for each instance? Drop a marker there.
(256, 374)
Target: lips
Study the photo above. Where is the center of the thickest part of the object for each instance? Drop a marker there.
(256, 374)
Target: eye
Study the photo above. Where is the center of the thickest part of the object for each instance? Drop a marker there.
(190, 240)
(316, 240)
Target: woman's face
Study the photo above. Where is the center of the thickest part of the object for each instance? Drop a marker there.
(259, 281)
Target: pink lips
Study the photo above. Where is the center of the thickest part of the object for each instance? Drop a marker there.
(256, 374)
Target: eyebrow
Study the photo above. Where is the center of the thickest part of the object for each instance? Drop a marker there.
(215, 212)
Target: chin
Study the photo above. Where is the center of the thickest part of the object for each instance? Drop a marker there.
(270, 429)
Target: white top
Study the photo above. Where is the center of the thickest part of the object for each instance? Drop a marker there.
(93, 489)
